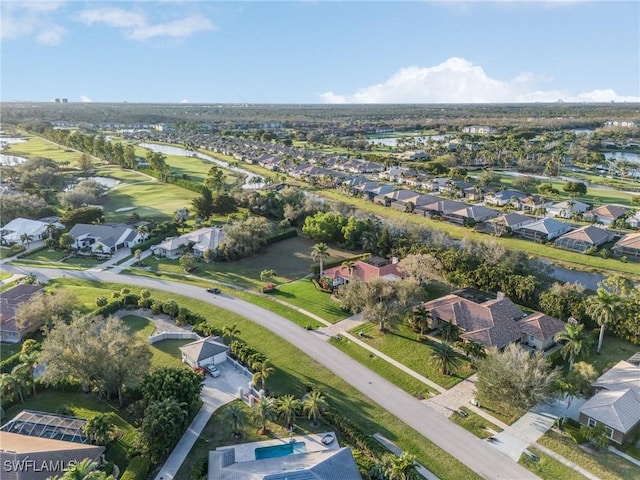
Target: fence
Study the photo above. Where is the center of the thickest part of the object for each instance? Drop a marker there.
(173, 336)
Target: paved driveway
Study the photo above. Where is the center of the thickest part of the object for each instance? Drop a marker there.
(216, 392)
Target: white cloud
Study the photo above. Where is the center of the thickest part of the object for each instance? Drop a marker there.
(136, 25)
(85, 99)
(184, 100)
(457, 80)
(30, 18)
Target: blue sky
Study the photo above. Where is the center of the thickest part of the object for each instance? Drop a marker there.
(320, 51)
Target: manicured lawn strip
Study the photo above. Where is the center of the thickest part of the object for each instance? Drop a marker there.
(46, 255)
(5, 275)
(505, 413)
(607, 466)
(304, 294)
(167, 353)
(294, 371)
(613, 350)
(548, 468)
(401, 345)
(27, 263)
(391, 373)
(85, 406)
(275, 307)
(7, 252)
(39, 147)
(474, 423)
(139, 325)
(592, 263)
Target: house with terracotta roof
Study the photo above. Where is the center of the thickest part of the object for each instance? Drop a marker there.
(616, 404)
(365, 271)
(10, 300)
(629, 246)
(582, 239)
(606, 214)
(496, 322)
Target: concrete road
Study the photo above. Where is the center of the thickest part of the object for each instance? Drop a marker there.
(473, 452)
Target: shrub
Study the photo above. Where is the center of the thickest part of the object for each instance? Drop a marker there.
(8, 363)
(199, 469)
(137, 469)
(156, 307)
(282, 236)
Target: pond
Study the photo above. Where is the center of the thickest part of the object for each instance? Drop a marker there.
(7, 160)
(626, 156)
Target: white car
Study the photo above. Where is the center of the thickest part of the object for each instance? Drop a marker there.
(213, 370)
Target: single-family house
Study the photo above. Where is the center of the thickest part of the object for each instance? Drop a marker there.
(37, 445)
(584, 238)
(567, 209)
(470, 214)
(365, 271)
(302, 459)
(395, 196)
(496, 322)
(544, 229)
(197, 242)
(440, 207)
(206, 351)
(629, 245)
(500, 199)
(534, 204)
(35, 229)
(616, 404)
(606, 214)
(512, 221)
(633, 221)
(10, 300)
(105, 239)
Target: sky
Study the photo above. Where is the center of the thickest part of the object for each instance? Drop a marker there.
(172, 51)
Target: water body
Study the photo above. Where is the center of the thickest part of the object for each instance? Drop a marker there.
(7, 160)
(10, 140)
(393, 141)
(587, 279)
(171, 150)
(626, 156)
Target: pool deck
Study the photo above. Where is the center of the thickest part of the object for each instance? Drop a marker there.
(245, 452)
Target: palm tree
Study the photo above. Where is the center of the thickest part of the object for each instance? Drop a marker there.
(604, 308)
(11, 386)
(349, 265)
(26, 238)
(575, 339)
(236, 415)
(287, 407)
(450, 331)
(445, 357)
(474, 349)
(313, 404)
(84, 470)
(263, 372)
(50, 229)
(230, 332)
(420, 319)
(263, 411)
(99, 428)
(30, 359)
(142, 230)
(319, 253)
(399, 467)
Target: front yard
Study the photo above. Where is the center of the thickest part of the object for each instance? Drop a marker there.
(303, 293)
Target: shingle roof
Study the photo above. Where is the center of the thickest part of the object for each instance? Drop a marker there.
(10, 300)
(589, 234)
(108, 235)
(608, 211)
(510, 219)
(546, 225)
(622, 375)
(630, 240)
(205, 348)
(618, 409)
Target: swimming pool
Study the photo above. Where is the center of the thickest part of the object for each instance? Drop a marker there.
(280, 450)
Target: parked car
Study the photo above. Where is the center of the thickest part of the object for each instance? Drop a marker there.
(213, 290)
(213, 370)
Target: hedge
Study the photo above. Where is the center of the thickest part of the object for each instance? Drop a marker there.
(10, 362)
(316, 268)
(137, 469)
(282, 236)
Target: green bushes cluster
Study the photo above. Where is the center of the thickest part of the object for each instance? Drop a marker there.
(206, 329)
(10, 362)
(129, 300)
(137, 470)
(199, 469)
(282, 236)
(316, 268)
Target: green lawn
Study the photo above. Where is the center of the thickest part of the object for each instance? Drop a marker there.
(548, 468)
(167, 353)
(45, 255)
(39, 147)
(474, 423)
(607, 466)
(294, 371)
(556, 255)
(291, 259)
(84, 406)
(304, 294)
(613, 350)
(5, 275)
(401, 345)
(7, 252)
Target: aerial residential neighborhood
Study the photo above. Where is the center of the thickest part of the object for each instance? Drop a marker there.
(319, 240)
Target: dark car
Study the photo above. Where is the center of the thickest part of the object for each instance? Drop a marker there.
(213, 290)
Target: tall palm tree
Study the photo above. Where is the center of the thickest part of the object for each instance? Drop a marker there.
(349, 266)
(313, 404)
(230, 332)
(30, 359)
(26, 238)
(445, 357)
(399, 467)
(319, 253)
(474, 349)
(85, 469)
(50, 229)
(99, 428)
(263, 412)
(419, 319)
(605, 308)
(575, 339)
(450, 331)
(11, 386)
(142, 230)
(236, 415)
(263, 372)
(287, 407)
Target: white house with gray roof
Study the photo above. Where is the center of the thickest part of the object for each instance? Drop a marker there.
(206, 351)
(105, 238)
(543, 230)
(616, 405)
(200, 240)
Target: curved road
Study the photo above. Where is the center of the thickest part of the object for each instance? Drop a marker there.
(478, 455)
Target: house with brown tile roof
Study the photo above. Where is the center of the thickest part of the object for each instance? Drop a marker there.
(365, 271)
(584, 238)
(629, 245)
(606, 214)
(496, 322)
(10, 300)
(616, 405)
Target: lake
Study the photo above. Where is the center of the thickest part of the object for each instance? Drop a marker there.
(626, 156)
(393, 141)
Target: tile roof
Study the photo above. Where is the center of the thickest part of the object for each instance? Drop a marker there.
(9, 302)
(630, 240)
(621, 375)
(365, 270)
(475, 212)
(546, 225)
(108, 235)
(589, 234)
(541, 326)
(510, 219)
(608, 211)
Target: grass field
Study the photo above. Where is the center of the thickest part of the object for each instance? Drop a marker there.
(304, 294)
(294, 371)
(613, 350)
(291, 259)
(548, 468)
(556, 255)
(401, 345)
(84, 406)
(39, 147)
(474, 423)
(606, 466)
